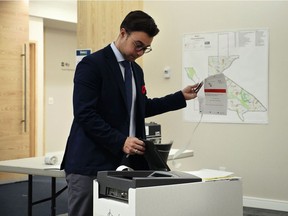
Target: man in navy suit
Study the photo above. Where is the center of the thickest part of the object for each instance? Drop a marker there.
(105, 129)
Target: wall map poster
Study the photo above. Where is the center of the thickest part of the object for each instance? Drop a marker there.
(242, 56)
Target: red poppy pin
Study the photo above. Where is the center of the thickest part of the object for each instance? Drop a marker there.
(143, 89)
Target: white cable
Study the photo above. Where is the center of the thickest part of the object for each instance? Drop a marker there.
(185, 147)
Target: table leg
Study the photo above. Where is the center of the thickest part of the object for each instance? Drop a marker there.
(53, 196)
(30, 193)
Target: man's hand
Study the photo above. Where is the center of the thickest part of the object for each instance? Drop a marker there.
(134, 146)
(189, 92)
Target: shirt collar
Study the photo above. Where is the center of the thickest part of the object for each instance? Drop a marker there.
(117, 53)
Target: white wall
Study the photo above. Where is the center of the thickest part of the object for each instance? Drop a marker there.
(60, 15)
(62, 10)
(60, 60)
(258, 153)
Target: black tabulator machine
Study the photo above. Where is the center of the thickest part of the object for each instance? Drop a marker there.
(115, 184)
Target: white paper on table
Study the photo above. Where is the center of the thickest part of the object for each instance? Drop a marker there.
(213, 175)
(213, 97)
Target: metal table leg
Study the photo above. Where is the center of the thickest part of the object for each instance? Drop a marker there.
(53, 197)
(30, 192)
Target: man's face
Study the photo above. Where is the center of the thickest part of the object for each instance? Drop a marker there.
(134, 44)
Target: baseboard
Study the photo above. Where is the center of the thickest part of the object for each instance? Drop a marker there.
(13, 180)
(255, 202)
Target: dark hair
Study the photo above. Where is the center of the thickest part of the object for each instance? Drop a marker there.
(140, 21)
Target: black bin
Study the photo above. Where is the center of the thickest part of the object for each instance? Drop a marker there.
(164, 150)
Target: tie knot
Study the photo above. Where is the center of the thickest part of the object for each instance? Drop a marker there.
(126, 64)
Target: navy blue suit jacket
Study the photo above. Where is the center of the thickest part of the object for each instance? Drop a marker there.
(101, 119)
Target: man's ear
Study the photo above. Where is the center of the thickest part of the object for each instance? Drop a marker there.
(123, 32)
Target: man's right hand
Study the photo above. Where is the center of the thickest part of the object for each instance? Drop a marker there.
(134, 146)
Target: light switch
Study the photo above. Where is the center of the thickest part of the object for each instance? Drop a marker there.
(51, 100)
(167, 72)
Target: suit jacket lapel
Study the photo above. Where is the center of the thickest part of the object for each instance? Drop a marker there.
(137, 80)
(115, 71)
(140, 104)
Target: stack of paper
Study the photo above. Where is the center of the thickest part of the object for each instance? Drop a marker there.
(213, 175)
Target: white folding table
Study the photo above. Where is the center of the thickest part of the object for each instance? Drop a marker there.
(36, 166)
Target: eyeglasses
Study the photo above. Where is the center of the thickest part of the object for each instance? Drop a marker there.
(139, 46)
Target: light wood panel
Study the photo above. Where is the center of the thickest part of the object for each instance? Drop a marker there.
(14, 21)
(99, 21)
(32, 97)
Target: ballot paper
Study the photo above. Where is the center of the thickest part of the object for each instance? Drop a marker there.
(213, 98)
(213, 175)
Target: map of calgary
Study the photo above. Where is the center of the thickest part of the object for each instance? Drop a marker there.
(229, 48)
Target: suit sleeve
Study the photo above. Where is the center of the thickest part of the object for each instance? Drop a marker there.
(159, 105)
(168, 103)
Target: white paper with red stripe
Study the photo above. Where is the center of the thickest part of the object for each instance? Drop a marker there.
(213, 97)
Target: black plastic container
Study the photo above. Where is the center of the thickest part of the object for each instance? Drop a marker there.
(164, 150)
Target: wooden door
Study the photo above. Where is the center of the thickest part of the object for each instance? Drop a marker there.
(99, 21)
(15, 83)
